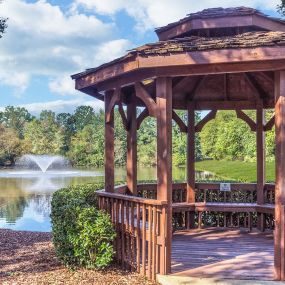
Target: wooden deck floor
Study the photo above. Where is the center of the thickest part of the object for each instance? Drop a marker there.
(225, 254)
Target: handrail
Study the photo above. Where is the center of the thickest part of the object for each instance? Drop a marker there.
(209, 186)
(102, 193)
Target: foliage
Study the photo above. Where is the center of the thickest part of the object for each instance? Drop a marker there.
(43, 135)
(3, 25)
(281, 8)
(82, 234)
(10, 145)
(15, 118)
(80, 137)
(229, 138)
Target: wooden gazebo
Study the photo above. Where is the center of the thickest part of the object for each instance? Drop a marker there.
(217, 59)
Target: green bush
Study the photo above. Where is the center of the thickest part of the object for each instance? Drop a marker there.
(82, 234)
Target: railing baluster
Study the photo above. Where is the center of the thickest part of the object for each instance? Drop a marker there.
(143, 239)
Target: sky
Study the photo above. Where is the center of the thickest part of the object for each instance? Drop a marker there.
(48, 40)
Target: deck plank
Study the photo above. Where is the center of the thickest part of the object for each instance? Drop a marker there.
(220, 253)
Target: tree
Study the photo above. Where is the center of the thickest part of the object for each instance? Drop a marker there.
(281, 8)
(10, 146)
(44, 136)
(3, 25)
(83, 116)
(15, 118)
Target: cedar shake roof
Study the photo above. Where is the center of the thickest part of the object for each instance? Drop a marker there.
(191, 44)
(262, 37)
(217, 13)
(246, 40)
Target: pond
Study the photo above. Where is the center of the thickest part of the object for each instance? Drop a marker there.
(25, 198)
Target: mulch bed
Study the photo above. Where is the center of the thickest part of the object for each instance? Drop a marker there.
(29, 258)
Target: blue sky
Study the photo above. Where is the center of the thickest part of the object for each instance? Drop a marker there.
(48, 40)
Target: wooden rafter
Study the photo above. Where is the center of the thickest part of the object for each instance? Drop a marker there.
(182, 126)
(252, 86)
(243, 116)
(269, 125)
(205, 120)
(114, 100)
(226, 86)
(259, 89)
(181, 82)
(196, 88)
(142, 93)
(144, 114)
(267, 77)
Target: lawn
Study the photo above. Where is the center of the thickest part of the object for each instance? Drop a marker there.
(236, 170)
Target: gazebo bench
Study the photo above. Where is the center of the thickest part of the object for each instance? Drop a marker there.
(214, 207)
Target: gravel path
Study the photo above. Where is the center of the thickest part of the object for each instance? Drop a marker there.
(29, 258)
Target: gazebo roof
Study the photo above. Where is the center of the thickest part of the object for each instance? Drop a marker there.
(208, 18)
(249, 49)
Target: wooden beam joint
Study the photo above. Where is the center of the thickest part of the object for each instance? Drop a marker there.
(205, 120)
(182, 126)
(243, 116)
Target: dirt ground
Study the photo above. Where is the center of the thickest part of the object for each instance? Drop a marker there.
(29, 258)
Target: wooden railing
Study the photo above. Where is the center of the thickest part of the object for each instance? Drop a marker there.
(141, 231)
(140, 220)
(241, 193)
(269, 193)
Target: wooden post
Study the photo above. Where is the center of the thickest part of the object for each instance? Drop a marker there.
(260, 160)
(190, 161)
(164, 163)
(279, 238)
(109, 146)
(132, 146)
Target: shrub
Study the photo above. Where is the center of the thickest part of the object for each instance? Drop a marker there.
(82, 234)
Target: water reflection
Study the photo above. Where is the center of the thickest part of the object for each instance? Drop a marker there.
(25, 197)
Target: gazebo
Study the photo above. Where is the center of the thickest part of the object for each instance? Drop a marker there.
(216, 59)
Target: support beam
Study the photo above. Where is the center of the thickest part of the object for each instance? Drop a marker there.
(279, 234)
(123, 116)
(243, 116)
(144, 114)
(191, 153)
(179, 122)
(142, 93)
(205, 120)
(132, 146)
(260, 160)
(269, 125)
(109, 144)
(113, 101)
(164, 162)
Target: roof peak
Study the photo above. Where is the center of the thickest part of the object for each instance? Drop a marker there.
(211, 15)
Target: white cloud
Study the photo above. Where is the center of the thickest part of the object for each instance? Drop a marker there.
(154, 13)
(61, 105)
(43, 40)
(62, 85)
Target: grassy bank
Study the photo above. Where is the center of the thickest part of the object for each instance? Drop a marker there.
(236, 170)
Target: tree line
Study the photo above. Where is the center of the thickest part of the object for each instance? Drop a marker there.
(80, 137)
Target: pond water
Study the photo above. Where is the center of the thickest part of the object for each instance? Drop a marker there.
(25, 198)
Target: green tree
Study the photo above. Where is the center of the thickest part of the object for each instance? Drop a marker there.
(87, 145)
(83, 116)
(15, 118)
(44, 135)
(10, 146)
(281, 8)
(3, 25)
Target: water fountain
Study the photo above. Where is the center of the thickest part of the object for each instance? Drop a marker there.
(44, 162)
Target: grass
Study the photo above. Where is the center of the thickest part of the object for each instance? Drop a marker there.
(236, 170)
